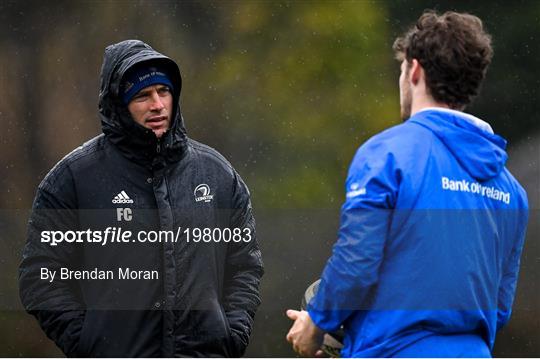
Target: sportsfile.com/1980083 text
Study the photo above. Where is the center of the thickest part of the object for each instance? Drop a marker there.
(118, 235)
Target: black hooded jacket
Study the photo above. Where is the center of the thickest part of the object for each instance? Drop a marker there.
(206, 294)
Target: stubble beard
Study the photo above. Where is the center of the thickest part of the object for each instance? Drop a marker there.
(406, 105)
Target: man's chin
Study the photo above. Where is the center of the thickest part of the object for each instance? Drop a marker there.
(159, 132)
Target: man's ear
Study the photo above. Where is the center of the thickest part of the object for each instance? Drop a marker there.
(416, 72)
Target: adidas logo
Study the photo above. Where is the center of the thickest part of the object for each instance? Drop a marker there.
(122, 197)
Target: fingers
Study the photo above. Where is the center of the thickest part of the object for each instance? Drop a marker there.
(289, 336)
(293, 314)
(319, 354)
(294, 343)
(292, 333)
(299, 334)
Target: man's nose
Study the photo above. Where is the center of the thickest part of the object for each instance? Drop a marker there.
(155, 102)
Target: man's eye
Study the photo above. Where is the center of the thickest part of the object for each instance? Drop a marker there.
(140, 97)
(164, 90)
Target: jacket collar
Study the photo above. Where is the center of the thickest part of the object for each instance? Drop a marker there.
(481, 124)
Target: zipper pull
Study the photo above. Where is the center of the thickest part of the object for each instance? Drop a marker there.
(158, 148)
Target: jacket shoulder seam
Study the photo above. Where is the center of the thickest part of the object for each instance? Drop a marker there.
(210, 151)
(86, 149)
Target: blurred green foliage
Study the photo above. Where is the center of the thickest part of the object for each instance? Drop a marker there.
(297, 87)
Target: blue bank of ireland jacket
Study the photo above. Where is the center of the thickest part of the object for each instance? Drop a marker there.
(428, 251)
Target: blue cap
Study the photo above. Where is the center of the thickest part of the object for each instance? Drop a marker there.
(137, 79)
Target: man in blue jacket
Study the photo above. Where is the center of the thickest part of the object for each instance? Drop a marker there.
(433, 224)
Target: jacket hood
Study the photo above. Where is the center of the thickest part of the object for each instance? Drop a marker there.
(472, 141)
(135, 141)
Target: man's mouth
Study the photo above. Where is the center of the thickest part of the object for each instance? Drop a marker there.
(156, 121)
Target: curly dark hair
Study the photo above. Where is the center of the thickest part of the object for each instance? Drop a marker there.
(454, 51)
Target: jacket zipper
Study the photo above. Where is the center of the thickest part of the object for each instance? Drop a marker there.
(158, 147)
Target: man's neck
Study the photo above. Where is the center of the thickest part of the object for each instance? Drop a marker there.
(422, 103)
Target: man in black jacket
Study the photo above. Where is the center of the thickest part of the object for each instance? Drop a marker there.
(142, 241)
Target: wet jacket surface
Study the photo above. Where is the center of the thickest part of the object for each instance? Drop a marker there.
(432, 230)
(204, 300)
